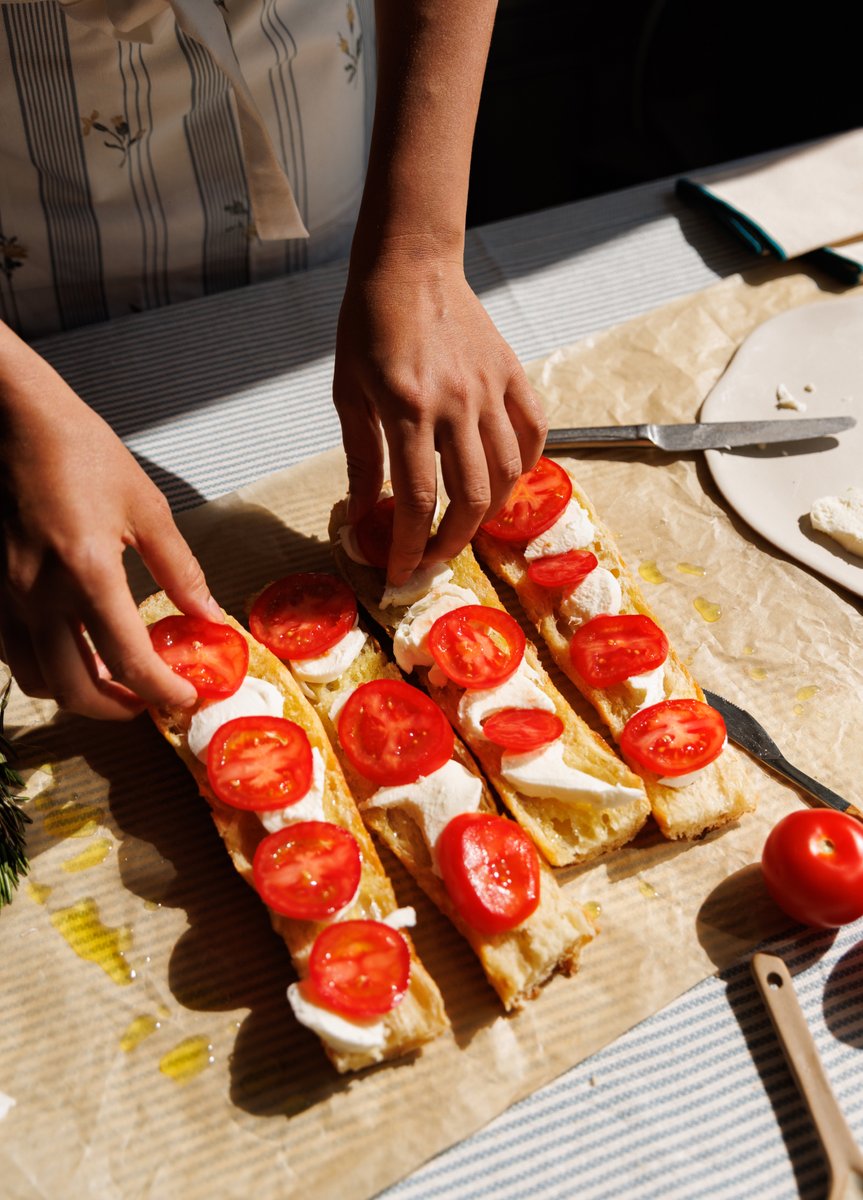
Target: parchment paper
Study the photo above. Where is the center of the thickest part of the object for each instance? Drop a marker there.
(171, 1066)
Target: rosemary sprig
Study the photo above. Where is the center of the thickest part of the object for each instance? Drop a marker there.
(13, 859)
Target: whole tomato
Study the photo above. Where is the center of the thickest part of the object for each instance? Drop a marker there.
(812, 864)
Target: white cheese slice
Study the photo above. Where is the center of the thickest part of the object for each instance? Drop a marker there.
(348, 542)
(344, 1034)
(544, 773)
(420, 583)
(523, 689)
(327, 667)
(597, 594)
(433, 800)
(410, 641)
(573, 530)
(308, 808)
(647, 688)
(253, 698)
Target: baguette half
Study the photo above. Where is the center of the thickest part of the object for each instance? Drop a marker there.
(420, 1015)
(719, 794)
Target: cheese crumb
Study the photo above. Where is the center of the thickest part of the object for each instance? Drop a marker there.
(784, 399)
(841, 518)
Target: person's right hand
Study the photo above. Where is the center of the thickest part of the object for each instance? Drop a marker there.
(71, 499)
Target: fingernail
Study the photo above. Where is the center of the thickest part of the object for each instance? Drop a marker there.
(214, 610)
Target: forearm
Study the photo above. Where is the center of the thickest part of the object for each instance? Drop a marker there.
(419, 364)
(431, 60)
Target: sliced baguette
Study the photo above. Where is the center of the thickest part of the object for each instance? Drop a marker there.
(518, 962)
(565, 833)
(420, 1015)
(719, 794)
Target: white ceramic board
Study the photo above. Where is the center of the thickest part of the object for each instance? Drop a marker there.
(816, 354)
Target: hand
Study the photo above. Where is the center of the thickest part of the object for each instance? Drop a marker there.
(71, 499)
(418, 357)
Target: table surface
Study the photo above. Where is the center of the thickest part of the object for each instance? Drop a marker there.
(697, 1100)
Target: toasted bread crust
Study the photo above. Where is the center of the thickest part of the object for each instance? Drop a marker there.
(719, 795)
(420, 1016)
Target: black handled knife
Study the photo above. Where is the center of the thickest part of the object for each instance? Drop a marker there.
(747, 732)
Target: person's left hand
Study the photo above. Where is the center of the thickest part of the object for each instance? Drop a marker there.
(418, 357)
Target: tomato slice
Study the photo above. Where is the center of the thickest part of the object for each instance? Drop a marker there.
(673, 737)
(608, 649)
(303, 615)
(309, 870)
(812, 863)
(212, 656)
(491, 870)
(360, 968)
(522, 729)
(374, 532)
(535, 503)
(259, 763)
(561, 570)
(392, 733)
(477, 646)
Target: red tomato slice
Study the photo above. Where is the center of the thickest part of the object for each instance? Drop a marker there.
(212, 656)
(392, 733)
(303, 615)
(259, 763)
(309, 870)
(477, 646)
(673, 737)
(491, 871)
(812, 864)
(522, 729)
(360, 968)
(608, 649)
(535, 503)
(374, 532)
(561, 570)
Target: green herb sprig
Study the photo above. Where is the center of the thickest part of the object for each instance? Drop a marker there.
(13, 859)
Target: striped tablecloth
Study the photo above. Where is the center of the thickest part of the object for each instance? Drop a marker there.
(210, 395)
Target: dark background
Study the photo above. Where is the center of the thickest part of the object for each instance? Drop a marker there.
(585, 97)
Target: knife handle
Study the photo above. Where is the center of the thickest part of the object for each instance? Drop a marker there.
(821, 793)
(597, 435)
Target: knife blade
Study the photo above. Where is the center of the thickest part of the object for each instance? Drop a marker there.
(743, 729)
(701, 435)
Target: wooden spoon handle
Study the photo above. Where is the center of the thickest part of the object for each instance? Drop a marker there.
(777, 991)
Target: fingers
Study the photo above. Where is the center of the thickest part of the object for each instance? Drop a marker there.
(71, 676)
(472, 476)
(529, 422)
(16, 649)
(414, 477)
(50, 656)
(111, 617)
(167, 556)
(364, 451)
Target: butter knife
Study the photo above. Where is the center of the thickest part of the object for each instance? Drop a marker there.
(743, 729)
(702, 435)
